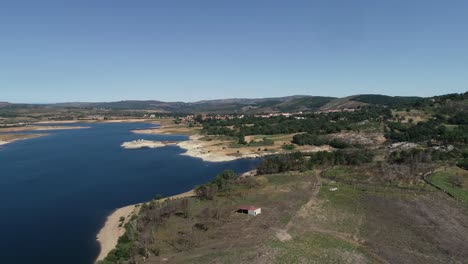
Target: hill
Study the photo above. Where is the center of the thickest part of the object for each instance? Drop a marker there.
(241, 105)
(289, 103)
(369, 99)
(2, 104)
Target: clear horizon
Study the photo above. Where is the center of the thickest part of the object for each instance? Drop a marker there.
(105, 51)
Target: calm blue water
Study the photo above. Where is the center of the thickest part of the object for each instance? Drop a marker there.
(56, 191)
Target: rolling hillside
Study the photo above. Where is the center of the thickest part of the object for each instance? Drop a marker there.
(369, 99)
(241, 105)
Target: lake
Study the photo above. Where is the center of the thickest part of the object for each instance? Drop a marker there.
(56, 191)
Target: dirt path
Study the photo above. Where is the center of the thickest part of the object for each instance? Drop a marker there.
(282, 234)
(304, 212)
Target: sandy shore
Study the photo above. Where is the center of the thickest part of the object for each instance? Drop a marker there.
(6, 142)
(60, 122)
(35, 128)
(110, 233)
(129, 120)
(9, 138)
(6, 137)
(214, 151)
(211, 151)
(220, 150)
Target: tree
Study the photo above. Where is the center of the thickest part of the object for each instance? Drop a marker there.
(242, 140)
(206, 191)
(463, 164)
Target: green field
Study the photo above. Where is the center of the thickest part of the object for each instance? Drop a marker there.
(442, 179)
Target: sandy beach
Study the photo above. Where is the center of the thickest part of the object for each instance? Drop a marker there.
(5, 142)
(9, 138)
(110, 233)
(36, 128)
(6, 137)
(129, 120)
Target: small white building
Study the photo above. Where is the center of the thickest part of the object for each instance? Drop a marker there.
(250, 210)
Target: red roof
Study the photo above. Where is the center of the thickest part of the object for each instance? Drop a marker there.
(247, 207)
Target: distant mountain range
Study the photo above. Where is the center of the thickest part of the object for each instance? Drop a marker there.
(243, 105)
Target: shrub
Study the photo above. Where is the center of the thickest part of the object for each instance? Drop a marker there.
(339, 144)
(463, 164)
(288, 147)
(456, 180)
(206, 191)
(309, 139)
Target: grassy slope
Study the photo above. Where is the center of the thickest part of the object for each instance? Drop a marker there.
(356, 223)
(442, 180)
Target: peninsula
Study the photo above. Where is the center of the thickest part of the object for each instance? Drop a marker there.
(10, 134)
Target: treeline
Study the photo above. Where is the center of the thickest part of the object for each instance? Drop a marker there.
(318, 140)
(416, 155)
(421, 155)
(459, 118)
(451, 97)
(222, 182)
(426, 131)
(393, 101)
(316, 123)
(299, 162)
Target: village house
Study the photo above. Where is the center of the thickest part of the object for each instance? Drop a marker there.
(249, 209)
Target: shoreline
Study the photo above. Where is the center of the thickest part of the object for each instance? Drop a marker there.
(39, 128)
(110, 232)
(218, 150)
(9, 135)
(210, 151)
(4, 141)
(74, 121)
(197, 148)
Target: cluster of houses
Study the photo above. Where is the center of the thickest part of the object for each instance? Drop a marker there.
(149, 115)
(336, 110)
(278, 114)
(192, 118)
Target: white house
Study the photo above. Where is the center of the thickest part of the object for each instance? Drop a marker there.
(250, 210)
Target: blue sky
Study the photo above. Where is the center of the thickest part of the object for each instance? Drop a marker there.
(106, 50)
